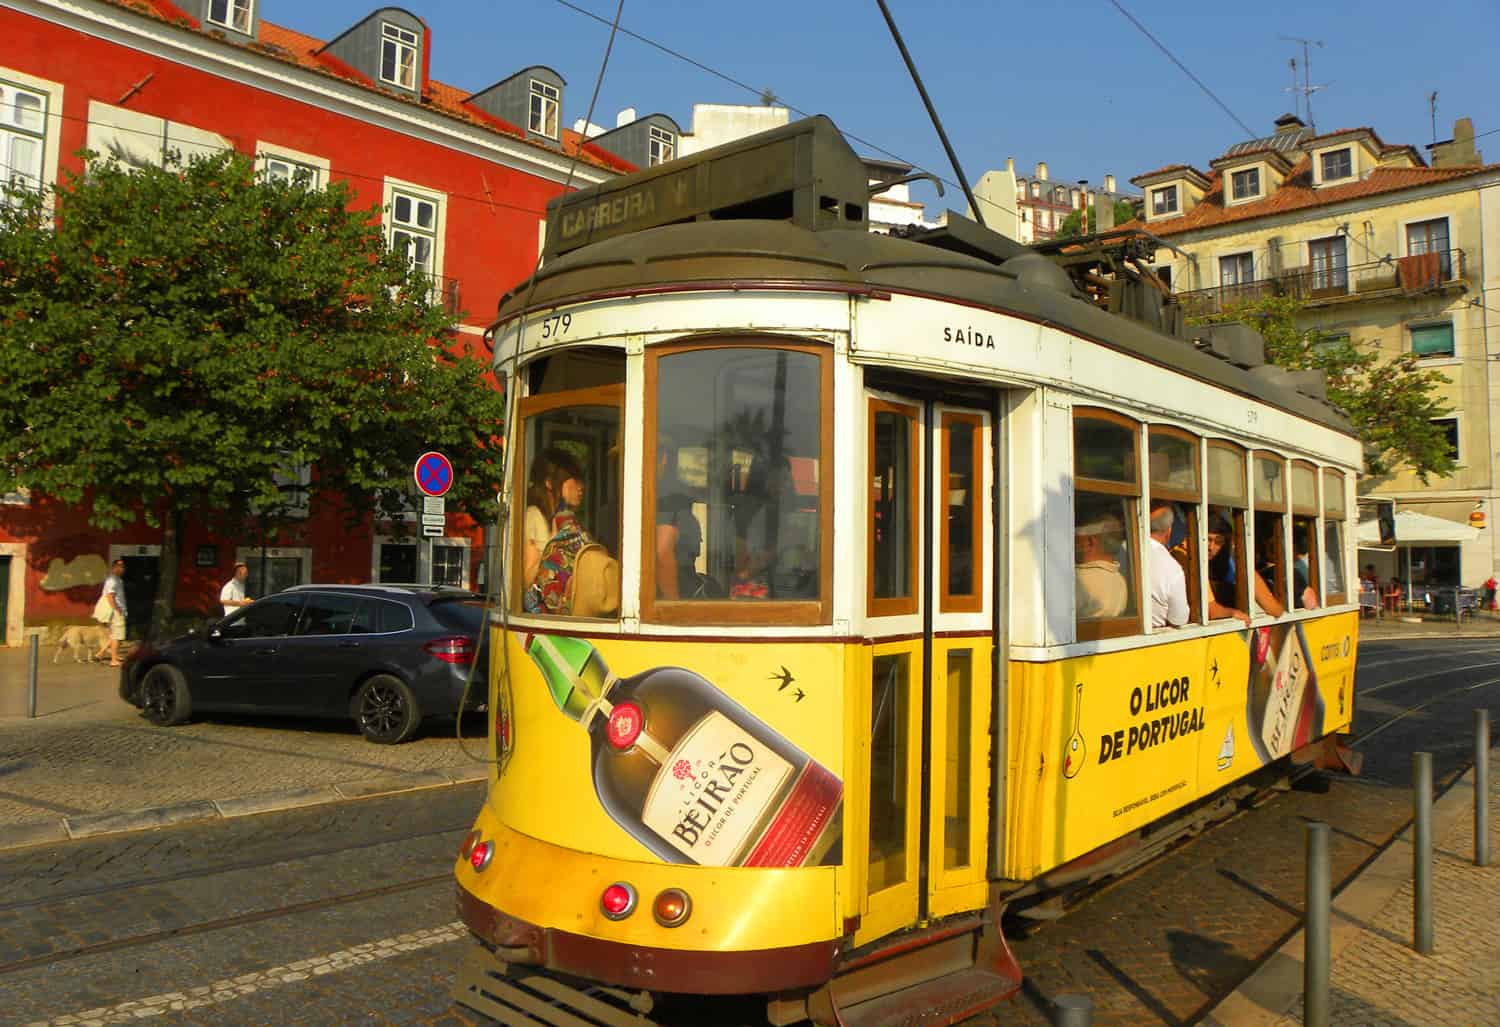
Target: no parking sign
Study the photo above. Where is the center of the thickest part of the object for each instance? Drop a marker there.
(433, 474)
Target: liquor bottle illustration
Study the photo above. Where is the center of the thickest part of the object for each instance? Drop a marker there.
(689, 772)
(1284, 708)
(1075, 752)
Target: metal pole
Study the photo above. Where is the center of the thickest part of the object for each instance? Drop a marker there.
(1072, 1011)
(31, 666)
(1421, 911)
(1315, 938)
(1458, 610)
(1481, 788)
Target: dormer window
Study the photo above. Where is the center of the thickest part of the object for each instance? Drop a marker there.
(1337, 164)
(1164, 200)
(663, 147)
(544, 109)
(1245, 185)
(398, 55)
(232, 14)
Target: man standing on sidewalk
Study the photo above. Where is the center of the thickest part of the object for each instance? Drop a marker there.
(232, 595)
(114, 593)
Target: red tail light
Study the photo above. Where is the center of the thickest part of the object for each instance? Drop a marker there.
(454, 649)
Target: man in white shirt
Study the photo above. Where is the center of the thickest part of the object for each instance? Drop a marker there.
(232, 595)
(114, 591)
(1169, 605)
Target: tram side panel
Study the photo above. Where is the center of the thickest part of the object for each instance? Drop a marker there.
(1105, 744)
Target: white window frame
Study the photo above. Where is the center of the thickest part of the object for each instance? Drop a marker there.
(1457, 418)
(396, 189)
(416, 541)
(1163, 191)
(662, 146)
(51, 94)
(405, 45)
(246, 8)
(269, 154)
(550, 113)
(1323, 155)
(1236, 257)
(1260, 187)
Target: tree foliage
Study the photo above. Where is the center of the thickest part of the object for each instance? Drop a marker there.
(1392, 403)
(176, 337)
(1073, 224)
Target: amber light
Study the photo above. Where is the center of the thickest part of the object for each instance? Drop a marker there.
(479, 856)
(672, 907)
(470, 840)
(618, 901)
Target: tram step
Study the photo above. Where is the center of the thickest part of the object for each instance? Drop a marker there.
(528, 999)
(943, 1000)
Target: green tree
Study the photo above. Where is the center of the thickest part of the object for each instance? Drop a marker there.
(177, 337)
(1391, 403)
(1073, 224)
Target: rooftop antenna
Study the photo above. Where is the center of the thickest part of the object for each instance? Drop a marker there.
(1432, 105)
(1307, 88)
(1293, 88)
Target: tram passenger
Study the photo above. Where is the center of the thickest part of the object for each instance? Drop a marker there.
(679, 536)
(1100, 586)
(1305, 596)
(767, 563)
(1221, 572)
(1169, 602)
(575, 575)
(550, 469)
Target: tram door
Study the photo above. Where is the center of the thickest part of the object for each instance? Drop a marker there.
(929, 596)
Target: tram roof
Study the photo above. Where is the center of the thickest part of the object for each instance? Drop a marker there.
(783, 253)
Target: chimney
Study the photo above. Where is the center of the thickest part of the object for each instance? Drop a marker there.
(1109, 184)
(1104, 210)
(1289, 123)
(1459, 151)
(1010, 165)
(625, 117)
(1041, 171)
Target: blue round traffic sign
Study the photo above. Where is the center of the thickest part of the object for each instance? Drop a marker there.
(433, 474)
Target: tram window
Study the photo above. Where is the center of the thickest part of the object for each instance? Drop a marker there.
(963, 478)
(1334, 554)
(893, 505)
(889, 730)
(1106, 482)
(1269, 483)
(1229, 589)
(568, 490)
(737, 438)
(582, 368)
(1174, 475)
(1306, 570)
(959, 772)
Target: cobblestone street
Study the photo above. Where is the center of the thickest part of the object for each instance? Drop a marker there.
(343, 913)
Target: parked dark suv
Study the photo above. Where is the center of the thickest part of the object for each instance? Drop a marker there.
(386, 655)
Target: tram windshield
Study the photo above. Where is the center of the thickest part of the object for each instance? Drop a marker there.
(738, 474)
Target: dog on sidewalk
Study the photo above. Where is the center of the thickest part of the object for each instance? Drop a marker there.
(83, 639)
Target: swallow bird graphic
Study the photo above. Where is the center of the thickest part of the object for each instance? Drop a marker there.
(800, 695)
(785, 677)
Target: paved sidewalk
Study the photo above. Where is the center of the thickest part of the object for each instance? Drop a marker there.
(1485, 624)
(1376, 977)
(90, 764)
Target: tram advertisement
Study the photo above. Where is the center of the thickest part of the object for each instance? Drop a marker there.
(1132, 736)
(683, 770)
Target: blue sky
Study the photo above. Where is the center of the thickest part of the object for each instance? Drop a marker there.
(1076, 85)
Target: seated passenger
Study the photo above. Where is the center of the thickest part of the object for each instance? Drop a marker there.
(1100, 588)
(574, 573)
(1303, 593)
(767, 565)
(1169, 602)
(550, 469)
(1221, 572)
(679, 536)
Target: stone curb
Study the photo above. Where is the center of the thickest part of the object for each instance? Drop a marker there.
(94, 825)
(1274, 990)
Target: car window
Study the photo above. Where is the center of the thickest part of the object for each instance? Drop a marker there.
(381, 616)
(328, 615)
(266, 618)
(459, 614)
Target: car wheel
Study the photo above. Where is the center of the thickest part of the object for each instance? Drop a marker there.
(386, 711)
(165, 700)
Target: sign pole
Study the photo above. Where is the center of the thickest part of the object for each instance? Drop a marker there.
(433, 475)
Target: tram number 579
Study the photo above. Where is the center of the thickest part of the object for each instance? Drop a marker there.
(557, 324)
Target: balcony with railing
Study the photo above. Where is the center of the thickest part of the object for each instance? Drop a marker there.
(1417, 275)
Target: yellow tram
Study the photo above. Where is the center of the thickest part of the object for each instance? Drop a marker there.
(834, 623)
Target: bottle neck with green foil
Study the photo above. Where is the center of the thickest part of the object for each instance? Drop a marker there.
(576, 674)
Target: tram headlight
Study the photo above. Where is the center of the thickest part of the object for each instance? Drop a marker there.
(470, 840)
(480, 855)
(618, 901)
(672, 907)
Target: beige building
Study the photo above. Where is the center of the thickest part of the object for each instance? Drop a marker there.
(1381, 247)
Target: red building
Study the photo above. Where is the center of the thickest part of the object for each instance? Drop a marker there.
(464, 176)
